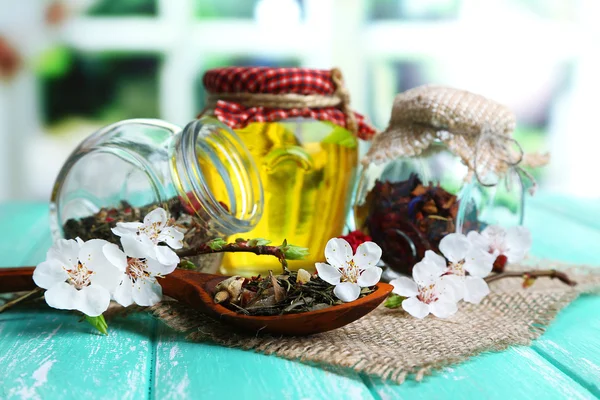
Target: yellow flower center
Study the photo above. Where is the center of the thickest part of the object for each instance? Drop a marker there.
(136, 268)
(350, 273)
(79, 276)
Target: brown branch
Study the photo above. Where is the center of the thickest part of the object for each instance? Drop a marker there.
(16, 301)
(240, 246)
(550, 273)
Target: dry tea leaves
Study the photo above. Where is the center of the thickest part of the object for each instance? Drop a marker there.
(280, 294)
(407, 218)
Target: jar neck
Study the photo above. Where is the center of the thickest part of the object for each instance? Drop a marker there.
(215, 176)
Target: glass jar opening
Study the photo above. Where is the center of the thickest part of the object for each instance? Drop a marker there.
(216, 177)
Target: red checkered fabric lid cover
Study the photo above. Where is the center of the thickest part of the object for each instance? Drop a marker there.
(275, 81)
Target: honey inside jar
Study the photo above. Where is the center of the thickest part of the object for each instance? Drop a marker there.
(307, 169)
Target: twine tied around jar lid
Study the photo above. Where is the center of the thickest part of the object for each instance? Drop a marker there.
(474, 128)
(307, 89)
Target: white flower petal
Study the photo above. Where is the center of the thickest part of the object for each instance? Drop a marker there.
(494, 233)
(405, 286)
(367, 255)
(338, 253)
(436, 260)
(497, 238)
(91, 254)
(146, 292)
(105, 274)
(443, 309)
(166, 255)
(415, 307)
(126, 228)
(156, 268)
(479, 241)
(454, 247)
(49, 273)
(475, 289)
(518, 244)
(123, 292)
(157, 216)
(93, 300)
(455, 283)
(115, 256)
(328, 273)
(171, 236)
(138, 246)
(426, 273)
(66, 251)
(479, 263)
(369, 277)
(347, 291)
(62, 296)
(448, 291)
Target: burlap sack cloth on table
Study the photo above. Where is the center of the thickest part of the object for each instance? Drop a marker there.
(390, 344)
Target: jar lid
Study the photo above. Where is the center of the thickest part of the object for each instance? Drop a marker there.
(240, 95)
(473, 127)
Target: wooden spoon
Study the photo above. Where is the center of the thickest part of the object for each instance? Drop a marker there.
(197, 289)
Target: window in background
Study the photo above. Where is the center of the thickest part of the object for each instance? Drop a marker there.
(112, 8)
(247, 9)
(103, 87)
(415, 10)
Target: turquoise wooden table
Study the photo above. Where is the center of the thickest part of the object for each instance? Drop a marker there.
(47, 354)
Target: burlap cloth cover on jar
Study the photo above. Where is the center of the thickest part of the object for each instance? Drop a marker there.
(390, 344)
(473, 127)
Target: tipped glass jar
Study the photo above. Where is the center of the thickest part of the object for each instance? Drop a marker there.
(202, 175)
(407, 205)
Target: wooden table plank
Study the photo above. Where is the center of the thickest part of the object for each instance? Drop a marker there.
(572, 343)
(46, 353)
(462, 379)
(24, 233)
(190, 370)
(518, 373)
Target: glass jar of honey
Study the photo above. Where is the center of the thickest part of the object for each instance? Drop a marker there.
(446, 163)
(203, 175)
(302, 136)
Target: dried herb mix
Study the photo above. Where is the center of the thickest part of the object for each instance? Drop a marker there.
(98, 226)
(407, 218)
(277, 294)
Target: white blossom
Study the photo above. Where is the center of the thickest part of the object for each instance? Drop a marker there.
(137, 277)
(513, 243)
(77, 276)
(466, 265)
(427, 292)
(142, 240)
(349, 273)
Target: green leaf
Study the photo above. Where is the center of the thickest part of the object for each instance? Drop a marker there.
(342, 137)
(258, 242)
(216, 244)
(394, 301)
(186, 264)
(292, 252)
(99, 323)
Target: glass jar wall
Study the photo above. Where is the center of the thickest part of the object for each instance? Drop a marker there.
(409, 204)
(307, 168)
(203, 175)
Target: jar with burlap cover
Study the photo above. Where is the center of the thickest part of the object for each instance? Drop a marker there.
(447, 162)
(298, 125)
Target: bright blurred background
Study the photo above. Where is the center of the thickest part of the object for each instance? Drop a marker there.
(69, 67)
